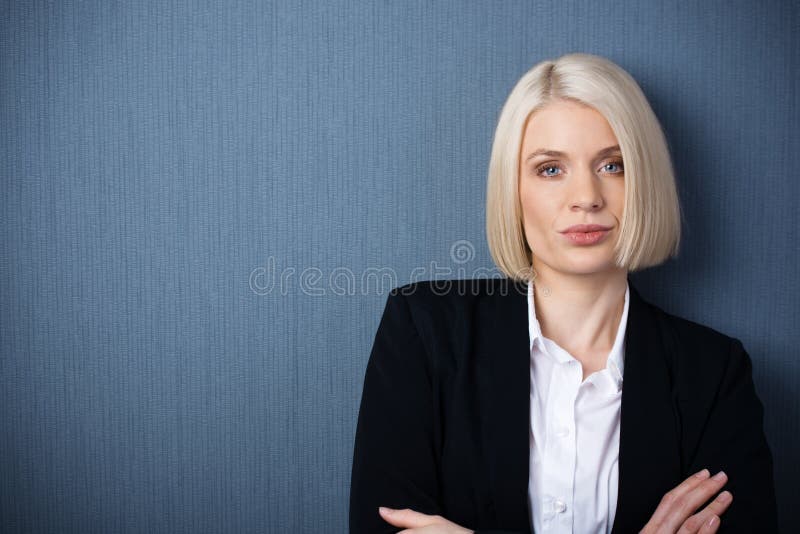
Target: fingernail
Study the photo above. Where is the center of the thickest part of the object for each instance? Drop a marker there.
(720, 476)
(702, 474)
(713, 521)
(724, 497)
(384, 510)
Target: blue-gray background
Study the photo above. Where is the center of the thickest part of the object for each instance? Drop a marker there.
(163, 163)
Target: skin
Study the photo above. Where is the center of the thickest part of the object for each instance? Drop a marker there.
(579, 290)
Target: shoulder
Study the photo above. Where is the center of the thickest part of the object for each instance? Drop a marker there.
(697, 334)
(698, 354)
(459, 290)
(457, 293)
(453, 310)
(675, 328)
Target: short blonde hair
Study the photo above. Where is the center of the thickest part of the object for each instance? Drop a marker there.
(651, 222)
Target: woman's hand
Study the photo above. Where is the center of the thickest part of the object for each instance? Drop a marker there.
(417, 523)
(676, 511)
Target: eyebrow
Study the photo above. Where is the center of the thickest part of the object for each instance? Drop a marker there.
(557, 154)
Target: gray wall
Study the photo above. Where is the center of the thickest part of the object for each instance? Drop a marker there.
(161, 161)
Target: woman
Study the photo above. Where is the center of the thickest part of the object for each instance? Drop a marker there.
(557, 399)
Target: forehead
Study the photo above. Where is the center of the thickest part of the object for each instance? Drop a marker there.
(568, 127)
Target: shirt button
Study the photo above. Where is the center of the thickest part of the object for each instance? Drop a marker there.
(562, 432)
(560, 506)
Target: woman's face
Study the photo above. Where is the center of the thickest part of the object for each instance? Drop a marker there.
(571, 174)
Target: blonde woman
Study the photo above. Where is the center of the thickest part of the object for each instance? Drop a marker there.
(557, 399)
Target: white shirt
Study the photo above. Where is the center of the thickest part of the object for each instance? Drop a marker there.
(574, 446)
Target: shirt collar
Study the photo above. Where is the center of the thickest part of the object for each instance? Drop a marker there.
(616, 357)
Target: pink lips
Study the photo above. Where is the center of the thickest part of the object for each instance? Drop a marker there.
(586, 234)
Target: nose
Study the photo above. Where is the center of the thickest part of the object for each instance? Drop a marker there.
(585, 193)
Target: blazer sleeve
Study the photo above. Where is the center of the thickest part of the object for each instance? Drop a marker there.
(395, 458)
(734, 441)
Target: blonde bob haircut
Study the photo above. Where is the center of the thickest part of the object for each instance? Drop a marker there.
(651, 222)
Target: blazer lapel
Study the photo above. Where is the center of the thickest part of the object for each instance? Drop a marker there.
(504, 349)
(649, 459)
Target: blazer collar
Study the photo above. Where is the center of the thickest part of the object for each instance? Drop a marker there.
(648, 455)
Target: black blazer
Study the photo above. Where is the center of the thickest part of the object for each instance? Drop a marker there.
(444, 421)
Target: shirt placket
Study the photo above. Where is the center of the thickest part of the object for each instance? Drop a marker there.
(561, 449)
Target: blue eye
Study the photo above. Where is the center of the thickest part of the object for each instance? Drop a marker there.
(546, 169)
(613, 167)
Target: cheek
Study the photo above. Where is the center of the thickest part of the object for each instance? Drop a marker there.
(537, 212)
(617, 201)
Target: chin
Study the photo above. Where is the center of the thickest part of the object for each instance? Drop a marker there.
(590, 265)
(579, 261)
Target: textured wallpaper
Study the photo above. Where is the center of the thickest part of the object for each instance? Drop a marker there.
(204, 205)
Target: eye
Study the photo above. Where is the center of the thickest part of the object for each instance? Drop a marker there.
(548, 170)
(613, 167)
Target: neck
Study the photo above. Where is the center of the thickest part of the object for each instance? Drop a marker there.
(581, 312)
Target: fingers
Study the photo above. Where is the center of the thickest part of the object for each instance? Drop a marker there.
(407, 518)
(665, 507)
(721, 503)
(681, 502)
(710, 526)
(688, 504)
(704, 521)
(708, 519)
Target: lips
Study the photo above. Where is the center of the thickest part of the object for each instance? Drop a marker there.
(586, 234)
(585, 228)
